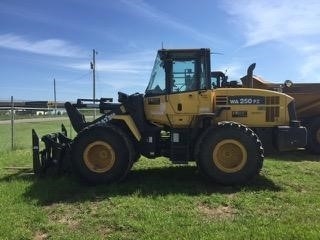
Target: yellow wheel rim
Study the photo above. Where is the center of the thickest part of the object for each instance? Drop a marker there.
(99, 157)
(229, 156)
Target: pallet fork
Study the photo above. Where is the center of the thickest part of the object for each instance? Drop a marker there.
(55, 154)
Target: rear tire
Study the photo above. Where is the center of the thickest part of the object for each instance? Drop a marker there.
(102, 154)
(230, 154)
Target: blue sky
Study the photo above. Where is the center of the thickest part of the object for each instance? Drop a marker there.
(41, 40)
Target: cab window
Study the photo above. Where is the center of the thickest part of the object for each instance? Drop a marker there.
(218, 79)
(203, 82)
(157, 83)
(183, 76)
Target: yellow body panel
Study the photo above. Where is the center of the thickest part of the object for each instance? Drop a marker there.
(272, 112)
(130, 123)
(175, 110)
(252, 107)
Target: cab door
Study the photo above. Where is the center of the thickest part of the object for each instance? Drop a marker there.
(183, 97)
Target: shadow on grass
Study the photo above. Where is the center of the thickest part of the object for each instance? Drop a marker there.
(296, 156)
(143, 182)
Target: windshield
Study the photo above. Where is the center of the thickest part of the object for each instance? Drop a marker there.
(157, 83)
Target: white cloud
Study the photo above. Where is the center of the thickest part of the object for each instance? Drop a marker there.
(128, 72)
(114, 66)
(133, 63)
(53, 47)
(142, 8)
(263, 21)
(233, 69)
(310, 68)
(294, 23)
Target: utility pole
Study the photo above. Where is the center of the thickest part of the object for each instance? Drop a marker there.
(93, 67)
(55, 97)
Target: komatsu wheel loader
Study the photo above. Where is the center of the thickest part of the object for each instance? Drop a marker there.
(181, 116)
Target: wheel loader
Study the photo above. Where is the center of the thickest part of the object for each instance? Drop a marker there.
(182, 116)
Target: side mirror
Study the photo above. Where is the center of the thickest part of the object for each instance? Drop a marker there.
(288, 83)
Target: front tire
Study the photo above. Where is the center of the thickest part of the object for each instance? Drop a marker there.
(230, 154)
(102, 154)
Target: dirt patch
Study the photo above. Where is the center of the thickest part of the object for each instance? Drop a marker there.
(40, 236)
(59, 213)
(220, 213)
(69, 221)
(104, 232)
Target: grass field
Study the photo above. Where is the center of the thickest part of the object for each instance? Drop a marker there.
(158, 200)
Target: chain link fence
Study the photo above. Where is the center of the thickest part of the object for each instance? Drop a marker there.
(16, 120)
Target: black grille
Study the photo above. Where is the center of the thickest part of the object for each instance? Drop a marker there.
(273, 100)
(272, 113)
(221, 100)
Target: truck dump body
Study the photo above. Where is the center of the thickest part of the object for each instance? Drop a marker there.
(307, 96)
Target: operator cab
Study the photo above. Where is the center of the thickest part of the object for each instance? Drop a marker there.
(180, 70)
(220, 80)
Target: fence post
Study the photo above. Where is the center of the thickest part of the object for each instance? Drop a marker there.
(12, 123)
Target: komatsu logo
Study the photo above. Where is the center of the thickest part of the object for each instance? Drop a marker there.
(107, 118)
(246, 100)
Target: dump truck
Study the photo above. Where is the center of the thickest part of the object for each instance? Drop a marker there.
(182, 116)
(307, 100)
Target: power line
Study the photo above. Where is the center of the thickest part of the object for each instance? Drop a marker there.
(93, 67)
(81, 76)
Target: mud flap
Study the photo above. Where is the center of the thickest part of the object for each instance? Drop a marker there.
(54, 156)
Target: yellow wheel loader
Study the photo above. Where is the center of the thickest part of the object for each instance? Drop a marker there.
(183, 116)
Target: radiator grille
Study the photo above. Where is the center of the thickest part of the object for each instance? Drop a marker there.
(273, 100)
(272, 113)
(221, 100)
